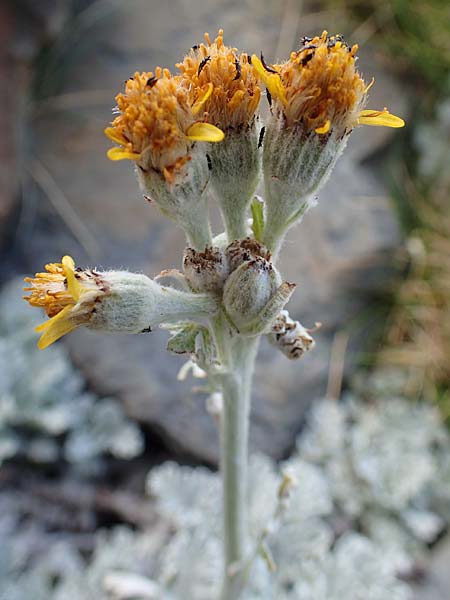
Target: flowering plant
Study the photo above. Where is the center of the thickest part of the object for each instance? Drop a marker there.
(196, 134)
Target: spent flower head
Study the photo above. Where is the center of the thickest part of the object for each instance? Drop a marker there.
(320, 88)
(317, 98)
(158, 124)
(235, 94)
(232, 106)
(67, 295)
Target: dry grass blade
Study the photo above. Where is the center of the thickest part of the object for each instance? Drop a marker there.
(337, 365)
(287, 38)
(62, 205)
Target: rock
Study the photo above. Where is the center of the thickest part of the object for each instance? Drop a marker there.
(8, 116)
(341, 251)
(25, 27)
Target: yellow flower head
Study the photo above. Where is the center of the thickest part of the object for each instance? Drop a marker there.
(224, 79)
(156, 125)
(67, 295)
(320, 88)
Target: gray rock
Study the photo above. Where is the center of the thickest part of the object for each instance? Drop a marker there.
(8, 115)
(341, 252)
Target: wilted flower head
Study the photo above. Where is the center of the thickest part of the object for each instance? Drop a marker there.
(157, 123)
(317, 99)
(67, 295)
(320, 88)
(235, 91)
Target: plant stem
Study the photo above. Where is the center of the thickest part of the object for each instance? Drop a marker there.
(276, 225)
(280, 217)
(235, 218)
(273, 238)
(198, 233)
(237, 355)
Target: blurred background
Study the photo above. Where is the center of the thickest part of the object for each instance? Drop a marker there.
(82, 422)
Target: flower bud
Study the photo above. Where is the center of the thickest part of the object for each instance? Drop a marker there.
(111, 301)
(290, 336)
(254, 295)
(205, 271)
(241, 251)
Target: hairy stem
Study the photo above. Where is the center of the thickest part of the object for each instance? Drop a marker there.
(235, 219)
(276, 225)
(198, 232)
(273, 237)
(237, 355)
(280, 216)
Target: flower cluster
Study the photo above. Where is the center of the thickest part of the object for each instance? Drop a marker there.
(199, 131)
(159, 114)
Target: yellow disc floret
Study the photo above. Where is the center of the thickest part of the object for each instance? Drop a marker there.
(157, 123)
(320, 88)
(235, 93)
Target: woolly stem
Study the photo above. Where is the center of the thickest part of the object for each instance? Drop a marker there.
(237, 355)
(235, 170)
(198, 230)
(274, 236)
(280, 217)
(235, 216)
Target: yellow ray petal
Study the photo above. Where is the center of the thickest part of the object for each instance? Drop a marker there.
(68, 262)
(121, 154)
(325, 128)
(75, 288)
(201, 101)
(54, 333)
(272, 81)
(50, 322)
(111, 132)
(205, 132)
(381, 118)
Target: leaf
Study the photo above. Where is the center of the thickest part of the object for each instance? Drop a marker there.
(257, 208)
(204, 346)
(188, 339)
